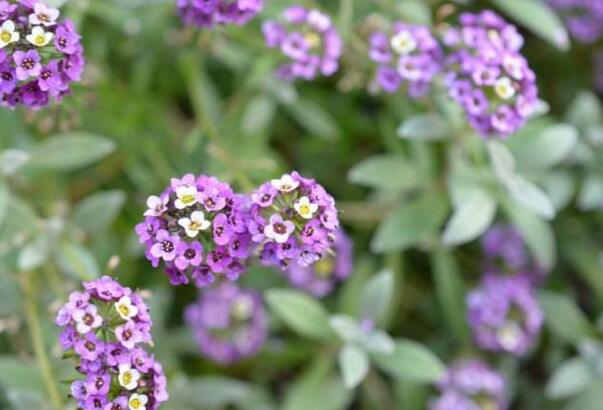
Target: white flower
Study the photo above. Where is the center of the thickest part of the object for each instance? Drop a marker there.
(285, 184)
(128, 377)
(305, 208)
(242, 308)
(125, 308)
(279, 229)
(8, 34)
(513, 65)
(39, 37)
(403, 43)
(157, 206)
(194, 224)
(319, 21)
(504, 88)
(138, 402)
(44, 15)
(187, 196)
(509, 336)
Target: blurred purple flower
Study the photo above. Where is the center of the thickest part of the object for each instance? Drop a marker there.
(207, 13)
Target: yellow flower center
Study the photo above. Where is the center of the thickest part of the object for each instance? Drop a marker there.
(313, 40)
(127, 378)
(124, 310)
(5, 36)
(39, 39)
(187, 199)
(304, 209)
(135, 403)
(324, 267)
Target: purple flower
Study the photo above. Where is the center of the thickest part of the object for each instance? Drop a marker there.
(308, 41)
(229, 323)
(487, 76)
(206, 13)
(89, 347)
(584, 18)
(470, 385)
(87, 319)
(51, 79)
(321, 278)
(129, 335)
(504, 314)
(195, 220)
(409, 54)
(66, 40)
(27, 64)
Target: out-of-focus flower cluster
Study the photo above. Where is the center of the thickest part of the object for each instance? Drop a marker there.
(39, 54)
(207, 13)
(228, 323)
(584, 18)
(103, 328)
(503, 311)
(409, 55)
(308, 42)
(487, 74)
(470, 385)
(321, 278)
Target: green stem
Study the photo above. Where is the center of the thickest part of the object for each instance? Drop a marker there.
(35, 333)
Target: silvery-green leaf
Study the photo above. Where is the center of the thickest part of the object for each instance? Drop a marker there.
(411, 361)
(346, 327)
(564, 318)
(590, 196)
(11, 160)
(502, 160)
(354, 365)
(530, 196)
(424, 127)
(95, 212)
(537, 16)
(314, 118)
(548, 148)
(560, 188)
(415, 11)
(589, 399)
(300, 312)
(585, 110)
(4, 197)
(470, 219)
(34, 254)
(258, 115)
(387, 172)
(10, 295)
(377, 295)
(77, 262)
(378, 341)
(569, 378)
(70, 151)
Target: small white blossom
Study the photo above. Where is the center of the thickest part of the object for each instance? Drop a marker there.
(187, 195)
(285, 184)
(156, 205)
(125, 308)
(44, 15)
(504, 88)
(305, 208)
(8, 34)
(194, 224)
(403, 43)
(138, 402)
(128, 377)
(39, 37)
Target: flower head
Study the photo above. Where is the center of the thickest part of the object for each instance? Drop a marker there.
(198, 224)
(207, 13)
(308, 41)
(229, 323)
(487, 75)
(40, 55)
(584, 18)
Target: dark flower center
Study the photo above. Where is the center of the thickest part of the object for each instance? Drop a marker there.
(210, 203)
(280, 228)
(91, 347)
(63, 42)
(28, 64)
(127, 335)
(190, 253)
(219, 231)
(88, 319)
(167, 246)
(6, 76)
(99, 383)
(46, 75)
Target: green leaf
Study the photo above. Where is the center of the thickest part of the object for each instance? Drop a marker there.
(564, 318)
(314, 118)
(450, 292)
(470, 219)
(413, 223)
(502, 160)
(354, 365)
(560, 187)
(77, 262)
(538, 234)
(97, 211)
(411, 361)
(387, 172)
(548, 148)
(537, 16)
(317, 388)
(570, 378)
(591, 193)
(377, 296)
(258, 115)
(415, 11)
(34, 254)
(425, 127)
(10, 295)
(21, 374)
(590, 399)
(11, 160)
(585, 110)
(211, 391)
(4, 195)
(70, 151)
(350, 331)
(530, 196)
(301, 313)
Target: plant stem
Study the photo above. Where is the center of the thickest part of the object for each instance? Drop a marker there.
(35, 333)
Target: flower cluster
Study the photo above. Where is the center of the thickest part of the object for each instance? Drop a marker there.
(294, 220)
(198, 228)
(207, 13)
(408, 55)
(309, 42)
(471, 385)
(584, 18)
(320, 279)
(103, 327)
(487, 75)
(504, 314)
(228, 323)
(39, 55)
(506, 252)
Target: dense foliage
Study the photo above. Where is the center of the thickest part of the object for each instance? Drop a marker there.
(466, 173)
